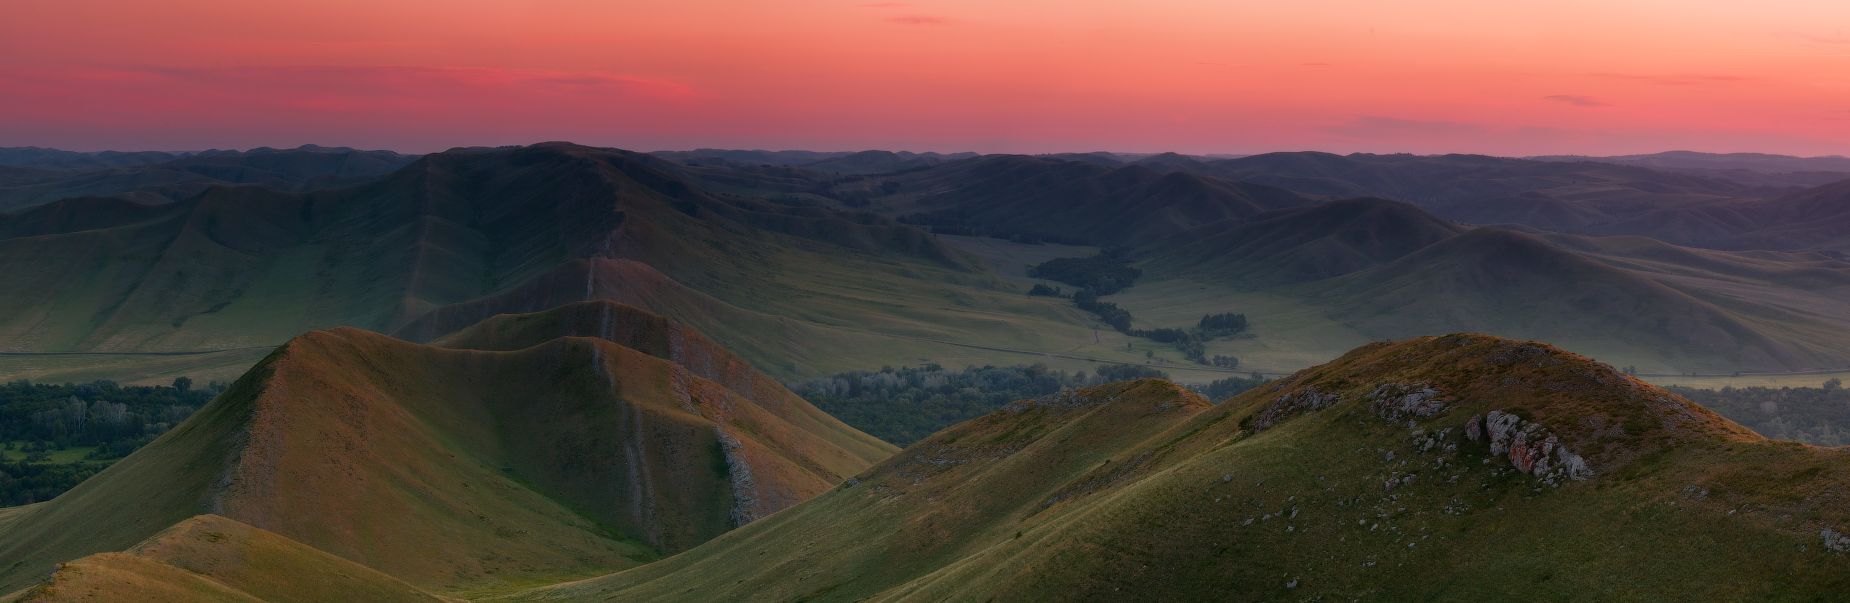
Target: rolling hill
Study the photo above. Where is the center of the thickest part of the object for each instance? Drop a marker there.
(161, 177)
(1305, 244)
(1438, 468)
(458, 469)
(1759, 169)
(1582, 197)
(211, 558)
(1817, 218)
(248, 266)
(1385, 269)
(806, 273)
(1059, 200)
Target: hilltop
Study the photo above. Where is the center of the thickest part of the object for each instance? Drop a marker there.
(1404, 470)
(452, 469)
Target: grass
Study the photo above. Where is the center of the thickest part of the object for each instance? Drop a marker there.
(458, 470)
(1718, 382)
(67, 456)
(214, 558)
(1140, 489)
(130, 369)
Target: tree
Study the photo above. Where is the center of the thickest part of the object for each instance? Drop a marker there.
(1042, 290)
(183, 384)
(1833, 384)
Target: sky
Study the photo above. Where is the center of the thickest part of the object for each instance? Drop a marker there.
(1026, 76)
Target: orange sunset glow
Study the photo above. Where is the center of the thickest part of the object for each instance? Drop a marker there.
(1423, 76)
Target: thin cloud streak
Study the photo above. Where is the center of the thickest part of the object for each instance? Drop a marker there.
(1575, 100)
(917, 20)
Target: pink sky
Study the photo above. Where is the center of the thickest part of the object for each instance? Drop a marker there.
(1206, 76)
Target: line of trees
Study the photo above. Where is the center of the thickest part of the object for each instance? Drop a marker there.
(38, 419)
(1815, 415)
(1103, 274)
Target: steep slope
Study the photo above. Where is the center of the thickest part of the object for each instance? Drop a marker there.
(1449, 468)
(464, 469)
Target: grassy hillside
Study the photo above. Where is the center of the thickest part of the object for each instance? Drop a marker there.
(212, 558)
(1406, 471)
(465, 469)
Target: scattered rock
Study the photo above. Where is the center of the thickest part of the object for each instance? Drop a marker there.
(1834, 541)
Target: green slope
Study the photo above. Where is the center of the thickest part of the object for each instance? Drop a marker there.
(1347, 481)
(466, 469)
(211, 558)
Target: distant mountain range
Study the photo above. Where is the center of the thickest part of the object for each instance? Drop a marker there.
(32, 176)
(758, 254)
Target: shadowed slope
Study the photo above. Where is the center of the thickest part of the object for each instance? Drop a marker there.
(1412, 470)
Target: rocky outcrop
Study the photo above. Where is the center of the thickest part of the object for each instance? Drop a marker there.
(1291, 405)
(1399, 401)
(1530, 447)
(739, 472)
